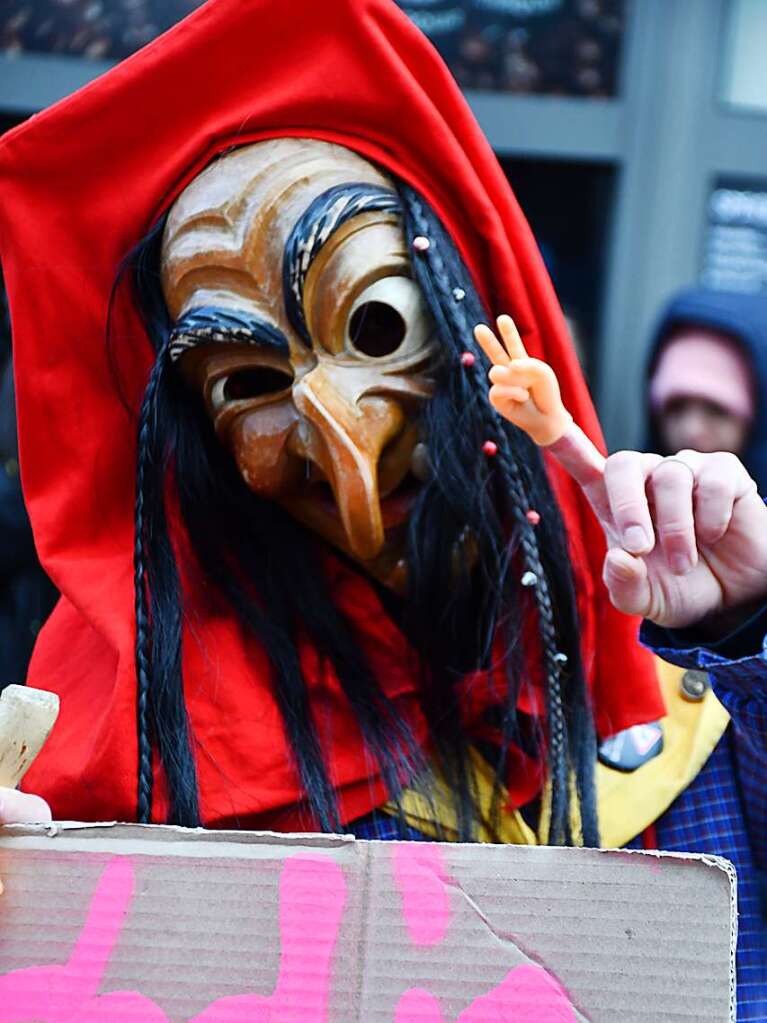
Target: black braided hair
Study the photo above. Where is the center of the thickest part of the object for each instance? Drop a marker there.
(143, 627)
(252, 553)
(511, 548)
(161, 717)
(469, 544)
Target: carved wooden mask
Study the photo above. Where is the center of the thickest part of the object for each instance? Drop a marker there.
(288, 280)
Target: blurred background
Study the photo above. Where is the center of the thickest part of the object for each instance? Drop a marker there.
(634, 133)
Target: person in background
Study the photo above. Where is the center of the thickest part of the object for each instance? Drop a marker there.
(708, 377)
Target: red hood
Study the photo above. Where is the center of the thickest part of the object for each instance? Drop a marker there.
(82, 182)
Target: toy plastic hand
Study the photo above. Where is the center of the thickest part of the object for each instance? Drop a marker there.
(525, 391)
(686, 536)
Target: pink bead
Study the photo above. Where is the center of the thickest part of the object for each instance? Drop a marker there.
(468, 359)
(421, 244)
(490, 448)
(533, 517)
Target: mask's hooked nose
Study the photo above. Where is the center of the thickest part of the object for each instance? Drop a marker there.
(349, 430)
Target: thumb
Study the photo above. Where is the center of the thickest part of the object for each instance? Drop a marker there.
(627, 583)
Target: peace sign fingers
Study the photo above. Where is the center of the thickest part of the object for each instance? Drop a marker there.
(500, 354)
(510, 336)
(491, 346)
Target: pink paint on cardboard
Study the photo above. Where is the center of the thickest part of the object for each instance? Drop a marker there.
(418, 1006)
(68, 994)
(421, 877)
(311, 888)
(302, 992)
(527, 994)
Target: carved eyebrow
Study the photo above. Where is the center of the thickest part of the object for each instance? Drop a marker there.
(215, 323)
(316, 224)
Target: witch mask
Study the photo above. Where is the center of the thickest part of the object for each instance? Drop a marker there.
(288, 280)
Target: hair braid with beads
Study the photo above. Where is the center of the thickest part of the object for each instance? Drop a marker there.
(446, 282)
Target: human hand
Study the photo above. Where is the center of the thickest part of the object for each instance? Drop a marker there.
(22, 808)
(26, 717)
(686, 536)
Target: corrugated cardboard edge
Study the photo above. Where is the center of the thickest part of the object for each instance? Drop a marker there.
(178, 839)
(171, 833)
(728, 869)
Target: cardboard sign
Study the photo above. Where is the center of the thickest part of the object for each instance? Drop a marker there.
(130, 924)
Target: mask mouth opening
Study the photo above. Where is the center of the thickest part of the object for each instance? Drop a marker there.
(319, 490)
(396, 505)
(396, 502)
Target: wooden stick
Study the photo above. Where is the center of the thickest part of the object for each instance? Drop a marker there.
(26, 719)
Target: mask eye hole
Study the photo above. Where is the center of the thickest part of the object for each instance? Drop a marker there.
(388, 319)
(254, 382)
(377, 329)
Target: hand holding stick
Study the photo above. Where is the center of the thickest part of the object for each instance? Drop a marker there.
(26, 718)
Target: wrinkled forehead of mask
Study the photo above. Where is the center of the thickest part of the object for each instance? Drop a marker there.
(244, 238)
(289, 284)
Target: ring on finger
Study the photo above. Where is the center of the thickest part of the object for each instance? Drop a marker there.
(678, 461)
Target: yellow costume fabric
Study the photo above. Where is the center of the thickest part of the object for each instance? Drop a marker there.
(627, 802)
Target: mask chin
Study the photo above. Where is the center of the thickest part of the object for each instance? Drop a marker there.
(379, 516)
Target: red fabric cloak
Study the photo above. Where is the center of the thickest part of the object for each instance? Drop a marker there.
(80, 184)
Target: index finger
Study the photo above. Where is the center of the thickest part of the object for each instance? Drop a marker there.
(626, 476)
(490, 345)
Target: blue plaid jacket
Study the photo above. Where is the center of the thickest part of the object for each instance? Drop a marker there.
(724, 811)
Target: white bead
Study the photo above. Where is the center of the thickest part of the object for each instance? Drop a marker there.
(529, 579)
